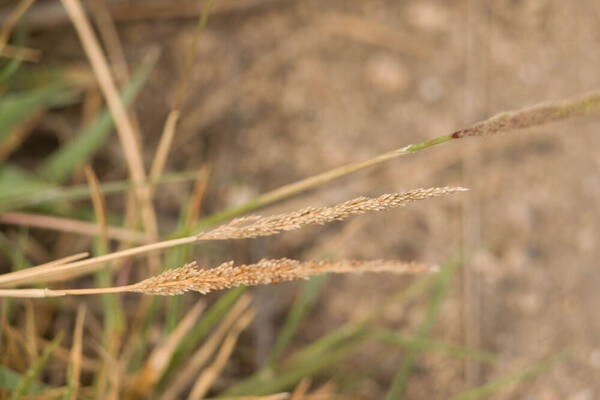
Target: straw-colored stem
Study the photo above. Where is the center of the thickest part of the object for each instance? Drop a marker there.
(168, 133)
(18, 277)
(124, 127)
(12, 20)
(71, 226)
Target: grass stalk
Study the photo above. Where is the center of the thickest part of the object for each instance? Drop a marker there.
(124, 127)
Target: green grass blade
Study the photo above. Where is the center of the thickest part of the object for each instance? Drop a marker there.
(335, 341)
(12, 66)
(305, 300)
(64, 161)
(208, 320)
(423, 344)
(26, 380)
(17, 108)
(10, 380)
(530, 372)
(398, 386)
(17, 183)
(267, 383)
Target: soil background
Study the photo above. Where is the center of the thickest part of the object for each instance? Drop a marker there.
(282, 90)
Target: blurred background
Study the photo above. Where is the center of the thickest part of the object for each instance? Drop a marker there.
(280, 90)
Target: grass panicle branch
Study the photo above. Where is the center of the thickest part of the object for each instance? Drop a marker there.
(266, 271)
(254, 226)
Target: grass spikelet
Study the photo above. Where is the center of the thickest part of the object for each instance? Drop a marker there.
(266, 271)
(253, 226)
(536, 115)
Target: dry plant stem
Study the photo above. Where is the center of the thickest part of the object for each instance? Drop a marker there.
(301, 389)
(123, 124)
(8, 279)
(20, 53)
(12, 20)
(210, 374)
(18, 135)
(29, 293)
(198, 194)
(159, 359)
(30, 343)
(276, 396)
(71, 226)
(76, 351)
(168, 132)
(201, 356)
(166, 139)
(99, 205)
(43, 273)
(110, 37)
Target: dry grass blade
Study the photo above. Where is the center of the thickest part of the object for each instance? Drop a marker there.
(124, 127)
(83, 267)
(20, 53)
(31, 345)
(12, 20)
(168, 133)
(30, 293)
(198, 196)
(18, 134)
(211, 373)
(250, 227)
(159, 359)
(276, 396)
(201, 356)
(301, 389)
(166, 139)
(190, 278)
(71, 226)
(13, 278)
(110, 37)
(75, 371)
(99, 205)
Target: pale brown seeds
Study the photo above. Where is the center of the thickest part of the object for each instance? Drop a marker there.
(191, 278)
(253, 226)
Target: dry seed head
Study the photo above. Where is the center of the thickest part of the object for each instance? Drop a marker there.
(533, 116)
(266, 271)
(253, 226)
